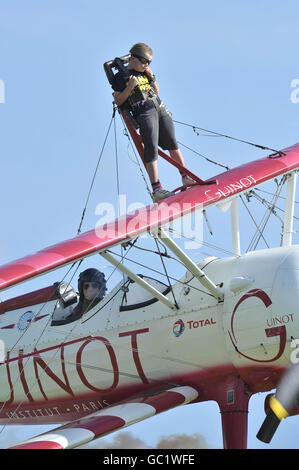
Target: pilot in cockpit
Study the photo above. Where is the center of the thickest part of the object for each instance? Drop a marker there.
(91, 288)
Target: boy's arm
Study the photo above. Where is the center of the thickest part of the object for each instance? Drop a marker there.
(151, 76)
(121, 96)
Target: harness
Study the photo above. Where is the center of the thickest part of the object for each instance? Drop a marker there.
(139, 104)
(140, 96)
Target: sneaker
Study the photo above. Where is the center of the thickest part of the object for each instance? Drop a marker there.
(187, 181)
(160, 194)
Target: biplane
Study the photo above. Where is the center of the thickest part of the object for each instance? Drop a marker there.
(223, 331)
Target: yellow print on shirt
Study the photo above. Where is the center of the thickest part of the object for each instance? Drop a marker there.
(143, 83)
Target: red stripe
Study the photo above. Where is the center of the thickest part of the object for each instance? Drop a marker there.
(38, 445)
(165, 400)
(32, 298)
(70, 247)
(100, 425)
(40, 317)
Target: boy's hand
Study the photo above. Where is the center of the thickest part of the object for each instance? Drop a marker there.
(149, 72)
(133, 82)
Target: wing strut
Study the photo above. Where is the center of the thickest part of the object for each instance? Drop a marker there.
(235, 227)
(190, 265)
(289, 209)
(138, 280)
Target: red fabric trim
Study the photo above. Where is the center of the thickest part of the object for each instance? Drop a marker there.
(26, 300)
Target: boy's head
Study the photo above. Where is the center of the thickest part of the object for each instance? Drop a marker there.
(141, 56)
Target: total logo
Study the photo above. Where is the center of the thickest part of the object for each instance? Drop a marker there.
(179, 325)
(178, 328)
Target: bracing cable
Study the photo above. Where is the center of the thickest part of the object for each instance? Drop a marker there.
(263, 147)
(206, 158)
(260, 229)
(117, 181)
(163, 274)
(253, 220)
(166, 273)
(95, 172)
(136, 158)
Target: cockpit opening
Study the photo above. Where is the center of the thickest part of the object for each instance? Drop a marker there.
(71, 305)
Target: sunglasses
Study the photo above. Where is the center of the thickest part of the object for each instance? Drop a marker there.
(141, 59)
(94, 285)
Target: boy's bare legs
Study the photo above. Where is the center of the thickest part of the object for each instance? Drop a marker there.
(152, 170)
(152, 167)
(158, 192)
(176, 154)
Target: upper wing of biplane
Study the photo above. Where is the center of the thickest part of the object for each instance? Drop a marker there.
(110, 419)
(227, 185)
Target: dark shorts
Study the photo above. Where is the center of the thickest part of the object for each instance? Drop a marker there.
(156, 129)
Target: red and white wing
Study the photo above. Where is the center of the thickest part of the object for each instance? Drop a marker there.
(110, 419)
(228, 184)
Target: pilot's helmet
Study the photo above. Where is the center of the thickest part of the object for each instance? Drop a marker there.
(92, 275)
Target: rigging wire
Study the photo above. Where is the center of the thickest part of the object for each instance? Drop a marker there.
(263, 147)
(162, 274)
(136, 158)
(117, 182)
(206, 158)
(252, 218)
(278, 208)
(95, 172)
(115, 268)
(258, 234)
(271, 194)
(266, 204)
(202, 242)
(166, 273)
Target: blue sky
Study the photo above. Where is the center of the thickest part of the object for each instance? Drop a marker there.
(225, 66)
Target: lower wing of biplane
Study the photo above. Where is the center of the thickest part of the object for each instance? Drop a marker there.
(110, 419)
